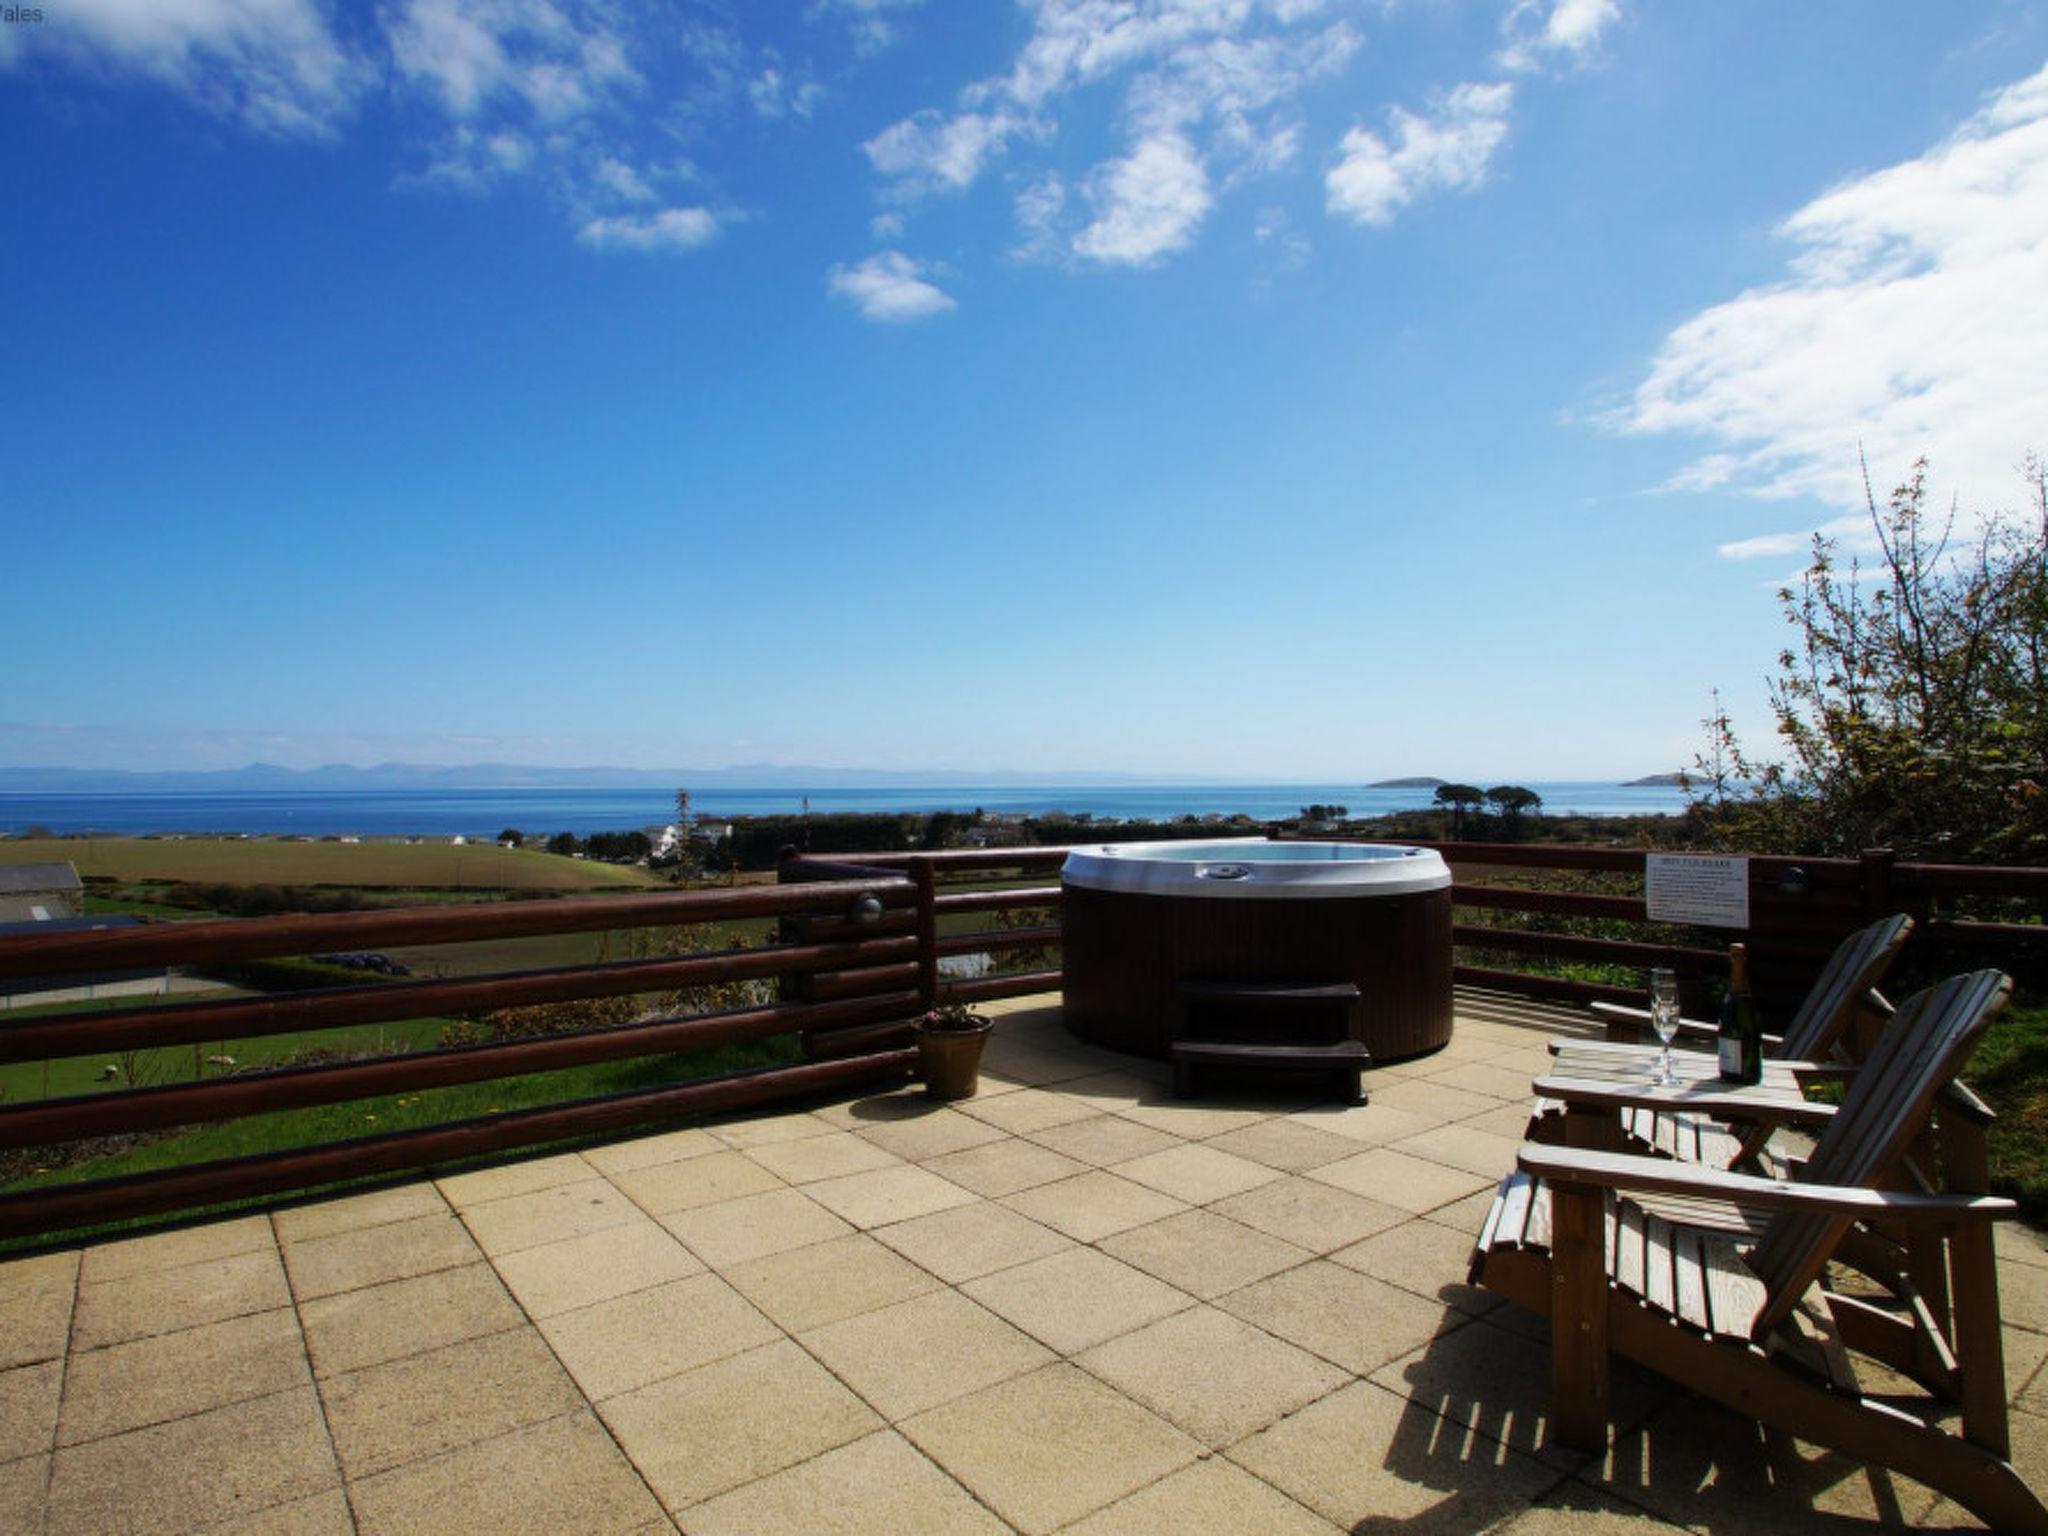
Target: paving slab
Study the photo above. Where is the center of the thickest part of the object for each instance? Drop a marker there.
(754, 1226)
(560, 1277)
(204, 1469)
(1352, 1320)
(1364, 1454)
(36, 1296)
(880, 1485)
(830, 1156)
(349, 1260)
(919, 1353)
(805, 1288)
(732, 1422)
(175, 1375)
(1214, 1495)
(1004, 1167)
(164, 1301)
(326, 1218)
(175, 1249)
(1076, 1298)
(970, 1241)
(1092, 1205)
(549, 1215)
(28, 1409)
(373, 1324)
(1203, 1253)
(615, 1346)
(1044, 1449)
(1308, 1214)
(884, 1195)
(386, 1415)
(562, 1476)
(1215, 1376)
(682, 1184)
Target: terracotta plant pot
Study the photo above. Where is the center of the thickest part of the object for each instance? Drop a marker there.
(950, 1058)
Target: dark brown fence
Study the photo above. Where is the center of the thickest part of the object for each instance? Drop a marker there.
(863, 932)
(857, 952)
(1799, 910)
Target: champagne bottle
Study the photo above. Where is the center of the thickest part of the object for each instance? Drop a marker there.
(1742, 1037)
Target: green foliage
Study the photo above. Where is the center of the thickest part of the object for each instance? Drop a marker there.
(617, 847)
(1912, 704)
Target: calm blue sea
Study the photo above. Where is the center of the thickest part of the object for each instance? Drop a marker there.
(485, 812)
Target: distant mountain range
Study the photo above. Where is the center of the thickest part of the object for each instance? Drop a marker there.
(342, 777)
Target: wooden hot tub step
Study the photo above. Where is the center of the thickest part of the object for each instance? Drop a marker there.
(1270, 1025)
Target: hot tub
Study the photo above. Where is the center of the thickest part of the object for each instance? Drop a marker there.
(1140, 919)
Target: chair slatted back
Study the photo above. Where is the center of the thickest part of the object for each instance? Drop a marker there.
(1885, 1109)
(1858, 964)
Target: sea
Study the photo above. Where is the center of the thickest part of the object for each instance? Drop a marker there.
(486, 812)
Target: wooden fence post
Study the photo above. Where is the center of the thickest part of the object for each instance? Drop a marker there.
(927, 935)
(1877, 883)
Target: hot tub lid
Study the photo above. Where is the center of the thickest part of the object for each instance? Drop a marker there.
(1256, 868)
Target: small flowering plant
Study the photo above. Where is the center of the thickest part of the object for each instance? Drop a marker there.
(953, 1019)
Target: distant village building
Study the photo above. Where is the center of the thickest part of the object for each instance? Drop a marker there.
(40, 893)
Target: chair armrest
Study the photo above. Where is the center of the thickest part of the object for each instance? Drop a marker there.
(1655, 1175)
(1720, 1103)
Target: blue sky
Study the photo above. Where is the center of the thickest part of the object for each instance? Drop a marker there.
(1292, 390)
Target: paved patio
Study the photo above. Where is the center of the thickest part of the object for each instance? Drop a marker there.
(1070, 1304)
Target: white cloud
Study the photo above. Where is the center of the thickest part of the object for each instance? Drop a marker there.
(1449, 151)
(929, 151)
(1568, 30)
(672, 229)
(889, 287)
(1914, 320)
(475, 55)
(1147, 204)
(275, 64)
(1203, 81)
(1039, 208)
(886, 226)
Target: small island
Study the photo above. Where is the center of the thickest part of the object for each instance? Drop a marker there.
(1659, 781)
(1420, 781)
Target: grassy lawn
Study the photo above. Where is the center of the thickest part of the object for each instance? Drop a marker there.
(255, 861)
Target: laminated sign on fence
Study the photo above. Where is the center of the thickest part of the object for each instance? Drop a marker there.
(1708, 889)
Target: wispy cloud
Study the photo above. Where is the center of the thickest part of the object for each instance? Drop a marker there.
(1913, 320)
(889, 287)
(275, 65)
(1147, 204)
(672, 229)
(1207, 90)
(1567, 31)
(1449, 150)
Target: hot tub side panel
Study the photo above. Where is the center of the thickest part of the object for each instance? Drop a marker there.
(1125, 955)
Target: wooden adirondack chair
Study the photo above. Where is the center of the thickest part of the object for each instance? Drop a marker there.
(1843, 1001)
(1704, 1276)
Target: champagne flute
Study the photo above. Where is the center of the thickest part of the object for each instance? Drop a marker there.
(1664, 1018)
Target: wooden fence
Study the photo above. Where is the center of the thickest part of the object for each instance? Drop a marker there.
(852, 959)
(856, 955)
(1799, 910)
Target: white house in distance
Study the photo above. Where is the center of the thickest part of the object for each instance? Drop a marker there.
(40, 893)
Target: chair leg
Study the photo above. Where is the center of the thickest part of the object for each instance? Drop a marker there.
(1578, 1316)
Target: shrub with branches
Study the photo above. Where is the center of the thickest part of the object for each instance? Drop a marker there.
(1913, 701)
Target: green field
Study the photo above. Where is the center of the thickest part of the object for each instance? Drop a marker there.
(260, 861)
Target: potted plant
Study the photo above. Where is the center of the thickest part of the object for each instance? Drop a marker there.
(949, 1042)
